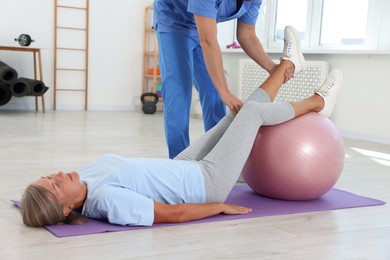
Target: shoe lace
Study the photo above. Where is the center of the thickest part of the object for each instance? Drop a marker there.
(326, 87)
(287, 49)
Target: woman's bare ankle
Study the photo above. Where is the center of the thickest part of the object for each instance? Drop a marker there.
(318, 103)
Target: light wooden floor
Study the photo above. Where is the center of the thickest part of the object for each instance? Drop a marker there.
(35, 144)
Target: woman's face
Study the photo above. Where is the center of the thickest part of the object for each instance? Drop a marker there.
(66, 187)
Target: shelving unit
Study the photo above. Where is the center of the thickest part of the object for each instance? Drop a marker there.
(37, 65)
(66, 52)
(151, 72)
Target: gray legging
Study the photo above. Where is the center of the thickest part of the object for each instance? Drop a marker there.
(223, 150)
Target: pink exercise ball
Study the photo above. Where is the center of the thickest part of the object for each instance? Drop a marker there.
(298, 160)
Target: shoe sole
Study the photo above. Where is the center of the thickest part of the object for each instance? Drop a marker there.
(298, 41)
(339, 82)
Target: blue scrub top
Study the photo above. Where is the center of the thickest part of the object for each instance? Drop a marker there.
(177, 16)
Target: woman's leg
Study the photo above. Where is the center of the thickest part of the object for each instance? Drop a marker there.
(264, 94)
(223, 165)
(202, 146)
(273, 83)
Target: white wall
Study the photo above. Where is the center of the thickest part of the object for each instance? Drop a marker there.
(116, 41)
(115, 50)
(363, 108)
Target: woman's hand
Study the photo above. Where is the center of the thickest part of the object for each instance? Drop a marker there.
(231, 209)
(178, 213)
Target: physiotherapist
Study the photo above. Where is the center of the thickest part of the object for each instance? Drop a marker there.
(189, 54)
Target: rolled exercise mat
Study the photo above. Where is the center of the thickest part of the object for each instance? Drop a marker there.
(5, 94)
(28, 87)
(7, 74)
(20, 87)
(37, 87)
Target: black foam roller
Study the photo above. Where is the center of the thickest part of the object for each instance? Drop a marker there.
(5, 94)
(38, 88)
(7, 74)
(28, 87)
(20, 88)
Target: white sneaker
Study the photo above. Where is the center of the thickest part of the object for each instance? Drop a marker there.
(330, 90)
(292, 49)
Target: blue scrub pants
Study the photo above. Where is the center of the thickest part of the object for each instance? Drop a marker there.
(182, 66)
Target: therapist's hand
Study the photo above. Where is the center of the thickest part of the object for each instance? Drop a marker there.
(288, 74)
(232, 102)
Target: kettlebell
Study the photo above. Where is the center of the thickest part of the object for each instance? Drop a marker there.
(149, 107)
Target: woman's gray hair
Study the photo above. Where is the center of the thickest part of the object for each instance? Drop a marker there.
(39, 207)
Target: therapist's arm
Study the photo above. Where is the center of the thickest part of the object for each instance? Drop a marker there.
(165, 213)
(207, 30)
(250, 43)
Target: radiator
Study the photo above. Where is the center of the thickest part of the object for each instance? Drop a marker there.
(303, 85)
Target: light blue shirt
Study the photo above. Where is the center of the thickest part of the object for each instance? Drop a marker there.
(177, 16)
(123, 190)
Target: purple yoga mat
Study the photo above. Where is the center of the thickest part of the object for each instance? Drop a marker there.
(241, 195)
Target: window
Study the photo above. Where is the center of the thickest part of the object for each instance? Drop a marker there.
(286, 12)
(329, 24)
(284, 17)
(344, 22)
(349, 24)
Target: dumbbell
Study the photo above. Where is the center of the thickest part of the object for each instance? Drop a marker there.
(24, 40)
